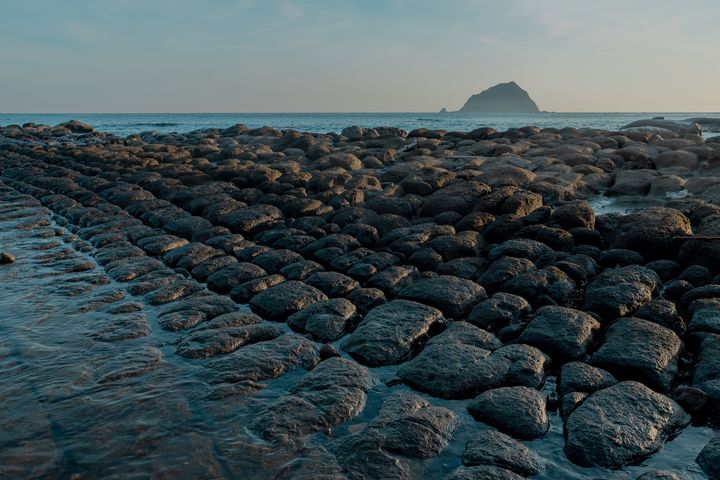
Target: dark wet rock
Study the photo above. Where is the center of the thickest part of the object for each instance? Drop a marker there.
(6, 258)
(651, 232)
(502, 270)
(190, 255)
(332, 393)
(326, 320)
(517, 411)
(333, 284)
(209, 342)
(279, 301)
(161, 244)
(562, 333)
(698, 275)
(365, 299)
(620, 257)
(464, 332)
(581, 377)
(275, 260)
(666, 269)
(501, 310)
(252, 219)
(454, 296)
(393, 279)
(547, 286)
(640, 350)
(574, 214)
(460, 370)
(195, 308)
(704, 292)
(264, 360)
(520, 248)
(390, 332)
(617, 292)
(301, 270)
(495, 448)
(659, 475)
(170, 292)
(483, 472)
(109, 254)
(128, 270)
(705, 316)
(709, 458)
(459, 197)
(212, 265)
(662, 312)
(463, 244)
(244, 292)
(620, 425)
(230, 320)
(706, 376)
(186, 227)
(225, 279)
(570, 401)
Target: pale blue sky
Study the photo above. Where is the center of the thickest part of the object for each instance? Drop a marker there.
(344, 55)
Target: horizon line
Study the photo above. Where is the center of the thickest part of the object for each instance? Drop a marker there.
(358, 112)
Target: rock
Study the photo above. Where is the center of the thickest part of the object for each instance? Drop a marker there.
(662, 312)
(454, 296)
(617, 292)
(460, 370)
(325, 321)
(464, 332)
(209, 342)
(458, 197)
(659, 475)
(706, 376)
(333, 284)
(581, 377)
(651, 231)
(390, 332)
(504, 269)
(225, 279)
(365, 299)
(640, 350)
(574, 214)
(517, 411)
(76, 126)
(520, 248)
(483, 472)
(620, 257)
(252, 219)
(332, 393)
(570, 401)
(562, 333)
(264, 360)
(6, 258)
(705, 316)
(709, 458)
(621, 425)
(677, 158)
(284, 299)
(498, 312)
(497, 449)
(393, 279)
(406, 426)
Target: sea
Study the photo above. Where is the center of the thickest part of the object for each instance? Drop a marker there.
(129, 123)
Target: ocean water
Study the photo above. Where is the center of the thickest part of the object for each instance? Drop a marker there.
(129, 123)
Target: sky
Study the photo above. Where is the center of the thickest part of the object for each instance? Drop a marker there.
(356, 56)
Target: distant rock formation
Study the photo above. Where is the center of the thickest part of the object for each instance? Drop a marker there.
(502, 98)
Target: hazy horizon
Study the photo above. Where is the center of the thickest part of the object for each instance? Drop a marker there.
(405, 56)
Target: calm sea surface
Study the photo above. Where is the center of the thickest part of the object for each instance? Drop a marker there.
(128, 123)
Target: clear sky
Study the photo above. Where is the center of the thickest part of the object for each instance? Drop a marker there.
(353, 55)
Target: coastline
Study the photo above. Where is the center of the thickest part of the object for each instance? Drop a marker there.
(370, 301)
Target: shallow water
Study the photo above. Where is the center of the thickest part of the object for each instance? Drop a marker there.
(129, 123)
(76, 404)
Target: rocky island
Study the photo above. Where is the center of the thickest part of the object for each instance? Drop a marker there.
(502, 98)
(257, 303)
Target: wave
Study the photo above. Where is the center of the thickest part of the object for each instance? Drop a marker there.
(435, 120)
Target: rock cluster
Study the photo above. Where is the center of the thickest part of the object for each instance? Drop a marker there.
(470, 265)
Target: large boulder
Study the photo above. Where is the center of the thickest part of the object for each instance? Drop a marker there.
(640, 350)
(563, 333)
(491, 447)
(461, 370)
(284, 299)
(390, 332)
(517, 411)
(454, 296)
(651, 232)
(621, 425)
(709, 458)
(617, 292)
(707, 374)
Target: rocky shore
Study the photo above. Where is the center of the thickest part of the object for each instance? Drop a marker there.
(416, 289)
